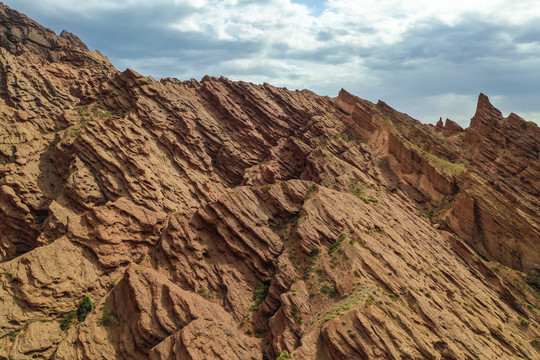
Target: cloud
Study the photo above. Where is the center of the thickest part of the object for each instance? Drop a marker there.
(426, 58)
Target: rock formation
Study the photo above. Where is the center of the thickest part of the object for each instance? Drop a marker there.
(144, 219)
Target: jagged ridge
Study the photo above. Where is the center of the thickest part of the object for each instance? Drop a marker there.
(220, 219)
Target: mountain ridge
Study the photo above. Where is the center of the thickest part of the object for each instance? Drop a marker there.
(221, 219)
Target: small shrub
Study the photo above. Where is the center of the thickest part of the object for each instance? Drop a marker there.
(328, 290)
(261, 291)
(259, 331)
(379, 230)
(315, 251)
(295, 310)
(66, 321)
(245, 317)
(367, 198)
(284, 355)
(337, 244)
(312, 189)
(333, 247)
(522, 322)
(206, 293)
(85, 307)
(369, 301)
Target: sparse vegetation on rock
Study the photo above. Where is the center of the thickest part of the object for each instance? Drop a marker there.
(240, 220)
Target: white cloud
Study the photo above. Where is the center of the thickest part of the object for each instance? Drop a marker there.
(272, 20)
(359, 23)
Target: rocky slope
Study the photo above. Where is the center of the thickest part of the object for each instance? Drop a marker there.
(144, 219)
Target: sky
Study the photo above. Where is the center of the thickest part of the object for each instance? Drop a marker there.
(429, 59)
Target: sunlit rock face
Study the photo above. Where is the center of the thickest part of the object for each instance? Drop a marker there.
(144, 219)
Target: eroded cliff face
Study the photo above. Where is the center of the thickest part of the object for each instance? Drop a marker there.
(226, 220)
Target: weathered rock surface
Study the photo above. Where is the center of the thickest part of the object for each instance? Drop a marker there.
(226, 220)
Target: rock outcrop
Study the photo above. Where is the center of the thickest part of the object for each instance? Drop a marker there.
(212, 219)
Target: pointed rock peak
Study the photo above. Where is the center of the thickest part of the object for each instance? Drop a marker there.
(343, 92)
(209, 79)
(515, 117)
(132, 72)
(346, 97)
(484, 107)
(486, 115)
(439, 123)
(134, 76)
(483, 101)
(516, 122)
(382, 105)
(74, 40)
(385, 107)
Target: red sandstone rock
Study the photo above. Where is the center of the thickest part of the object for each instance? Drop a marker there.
(226, 220)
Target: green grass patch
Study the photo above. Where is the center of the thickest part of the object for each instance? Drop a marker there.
(206, 293)
(358, 190)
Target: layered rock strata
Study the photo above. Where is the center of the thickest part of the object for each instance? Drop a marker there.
(212, 219)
